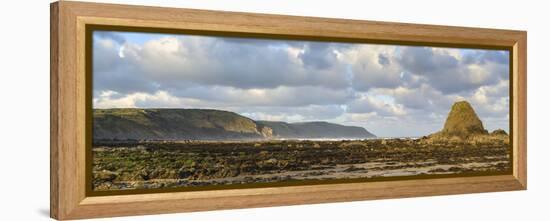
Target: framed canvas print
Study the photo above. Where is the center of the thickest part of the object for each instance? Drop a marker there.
(160, 110)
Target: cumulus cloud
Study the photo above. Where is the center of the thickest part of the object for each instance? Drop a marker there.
(109, 99)
(391, 90)
(447, 70)
(280, 96)
(318, 55)
(293, 114)
(384, 106)
(174, 60)
(373, 66)
(484, 56)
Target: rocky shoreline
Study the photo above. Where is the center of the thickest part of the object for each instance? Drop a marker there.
(145, 165)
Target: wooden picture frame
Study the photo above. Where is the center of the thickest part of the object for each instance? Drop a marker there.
(70, 89)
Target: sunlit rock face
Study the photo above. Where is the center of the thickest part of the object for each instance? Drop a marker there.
(462, 121)
(464, 126)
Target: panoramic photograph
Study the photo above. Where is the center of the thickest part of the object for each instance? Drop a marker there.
(179, 111)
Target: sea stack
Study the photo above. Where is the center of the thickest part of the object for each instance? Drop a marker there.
(462, 121)
(463, 125)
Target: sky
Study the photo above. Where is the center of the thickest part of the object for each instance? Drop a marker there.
(390, 90)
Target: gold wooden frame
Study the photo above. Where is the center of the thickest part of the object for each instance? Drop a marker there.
(69, 87)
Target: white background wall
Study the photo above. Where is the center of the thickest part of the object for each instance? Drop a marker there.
(24, 109)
